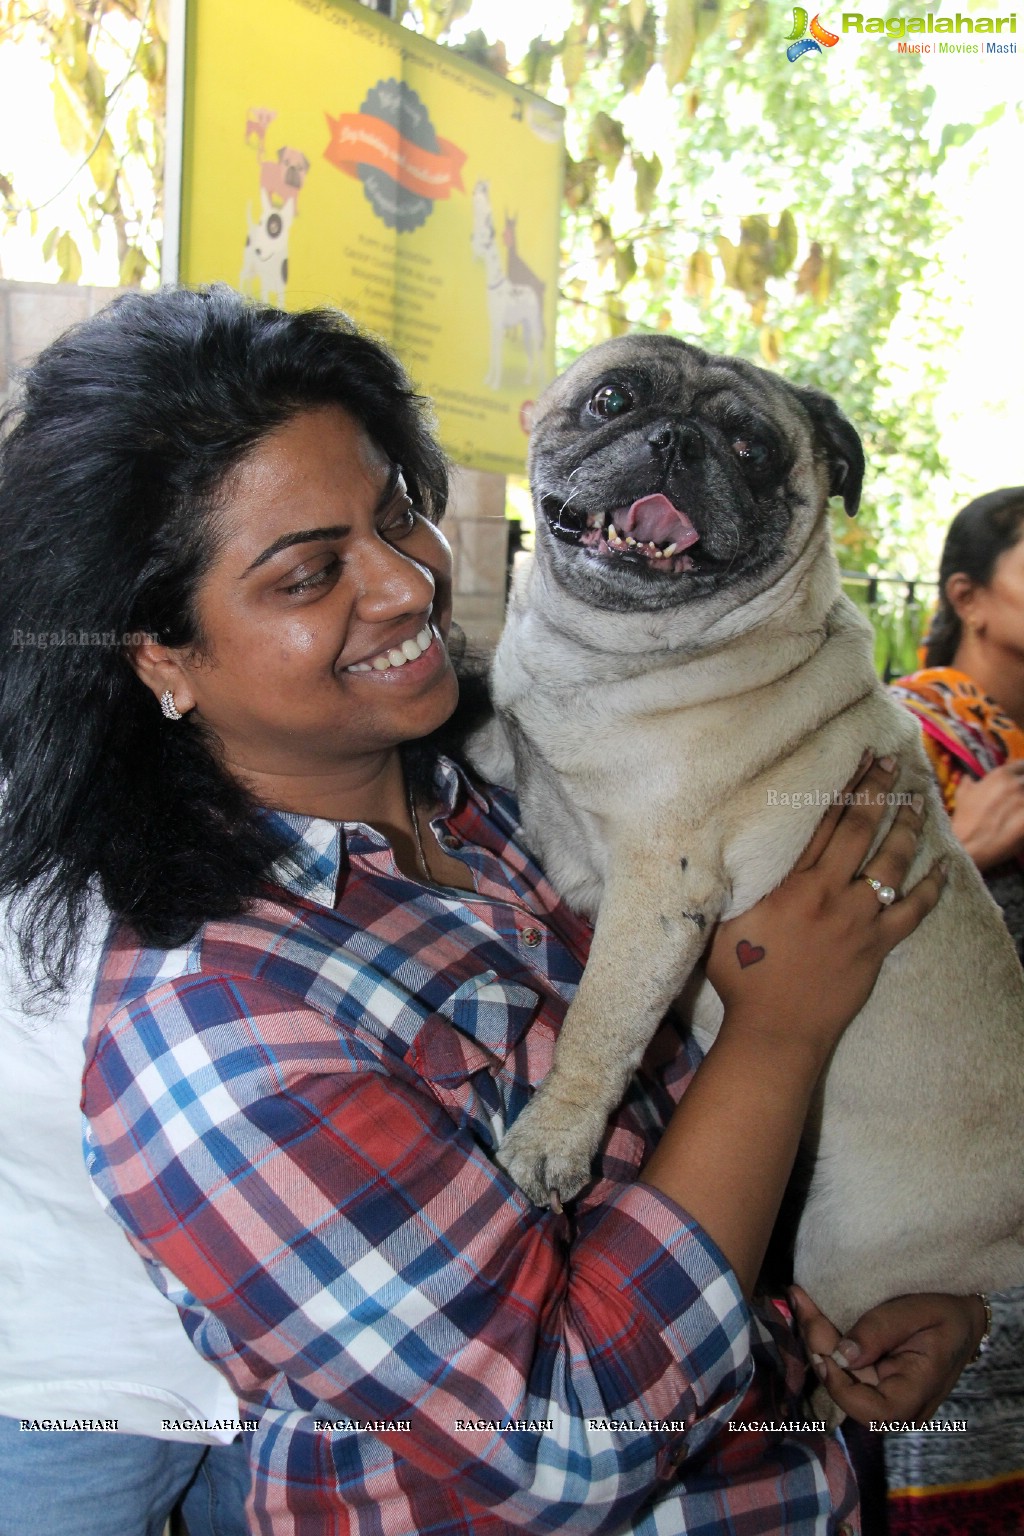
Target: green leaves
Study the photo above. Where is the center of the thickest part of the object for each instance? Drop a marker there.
(955, 135)
(648, 174)
(133, 269)
(606, 142)
(60, 246)
(574, 53)
(98, 133)
(680, 40)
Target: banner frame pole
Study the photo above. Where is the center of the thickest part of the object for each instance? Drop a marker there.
(174, 137)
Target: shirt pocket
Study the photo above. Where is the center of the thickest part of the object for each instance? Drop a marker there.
(461, 1051)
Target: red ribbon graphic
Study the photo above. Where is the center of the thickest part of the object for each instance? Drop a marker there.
(359, 139)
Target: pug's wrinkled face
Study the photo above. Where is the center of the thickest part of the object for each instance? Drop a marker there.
(662, 474)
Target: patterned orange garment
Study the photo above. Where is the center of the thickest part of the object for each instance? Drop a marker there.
(964, 730)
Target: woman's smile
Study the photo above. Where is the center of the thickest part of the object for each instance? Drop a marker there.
(401, 654)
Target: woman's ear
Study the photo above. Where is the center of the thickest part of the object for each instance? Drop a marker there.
(962, 596)
(159, 668)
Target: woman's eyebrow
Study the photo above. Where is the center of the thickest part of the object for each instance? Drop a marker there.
(301, 536)
(331, 531)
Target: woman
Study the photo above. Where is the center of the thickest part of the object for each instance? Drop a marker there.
(970, 696)
(970, 701)
(341, 974)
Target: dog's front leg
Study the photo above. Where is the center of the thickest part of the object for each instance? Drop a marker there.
(654, 921)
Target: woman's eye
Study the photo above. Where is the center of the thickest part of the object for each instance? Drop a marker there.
(611, 400)
(400, 520)
(318, 578)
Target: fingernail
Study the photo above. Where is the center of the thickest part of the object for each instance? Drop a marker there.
(820, 1369)
(865, 758)
(917, 803)
(846, 1353)
(887, 764)
(943, 868)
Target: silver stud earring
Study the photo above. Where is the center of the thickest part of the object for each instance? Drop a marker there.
(170, 709)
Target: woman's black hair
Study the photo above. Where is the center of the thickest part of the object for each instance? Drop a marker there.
(982, 531)
(110, 467)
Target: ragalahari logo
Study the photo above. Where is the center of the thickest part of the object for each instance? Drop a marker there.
(800, 43)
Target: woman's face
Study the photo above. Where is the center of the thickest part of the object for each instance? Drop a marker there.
(326, 610)
(997, 610)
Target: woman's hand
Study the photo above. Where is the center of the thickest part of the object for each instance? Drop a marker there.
(902, 1358)
(801, 963)
(988, 817)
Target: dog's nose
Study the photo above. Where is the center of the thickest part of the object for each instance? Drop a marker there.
(677, 439)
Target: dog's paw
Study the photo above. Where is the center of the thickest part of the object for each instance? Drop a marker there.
(548, 1151)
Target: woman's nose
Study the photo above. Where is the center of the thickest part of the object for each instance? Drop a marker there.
(391, 582)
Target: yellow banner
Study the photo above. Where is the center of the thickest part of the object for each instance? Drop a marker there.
(333, 157)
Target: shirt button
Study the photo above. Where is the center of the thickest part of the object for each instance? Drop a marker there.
(531, 937)
(670, 1459)
(450, 842)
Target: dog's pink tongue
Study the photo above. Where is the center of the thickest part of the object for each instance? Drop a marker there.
(654, 520)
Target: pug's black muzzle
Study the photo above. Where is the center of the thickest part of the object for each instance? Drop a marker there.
(658, 506)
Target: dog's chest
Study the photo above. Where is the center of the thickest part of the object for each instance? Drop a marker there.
(565, 831)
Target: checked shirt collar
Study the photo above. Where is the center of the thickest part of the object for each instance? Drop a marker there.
(317, 851)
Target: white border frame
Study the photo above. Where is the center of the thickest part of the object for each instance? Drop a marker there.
(174, 135)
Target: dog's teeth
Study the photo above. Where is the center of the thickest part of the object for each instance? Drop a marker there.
(630, 540)
(669, 551)
(609, 533)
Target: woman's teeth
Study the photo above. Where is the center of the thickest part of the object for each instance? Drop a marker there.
(409, 650)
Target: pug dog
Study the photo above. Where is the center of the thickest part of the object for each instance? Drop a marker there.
(681, 687)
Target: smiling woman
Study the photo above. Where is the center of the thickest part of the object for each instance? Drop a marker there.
(333, 982)
(144, 440)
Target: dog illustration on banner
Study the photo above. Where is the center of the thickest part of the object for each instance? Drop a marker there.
(265, 258)
(518, 272)
(512, 303)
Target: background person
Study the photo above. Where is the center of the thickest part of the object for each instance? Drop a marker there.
(341, 974)
(969, 699)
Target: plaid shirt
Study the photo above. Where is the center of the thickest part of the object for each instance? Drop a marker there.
(295, 1117)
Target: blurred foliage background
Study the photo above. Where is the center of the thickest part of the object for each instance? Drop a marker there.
(783, 212)
(108, 73)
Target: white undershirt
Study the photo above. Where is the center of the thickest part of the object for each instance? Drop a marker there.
(84, 1333)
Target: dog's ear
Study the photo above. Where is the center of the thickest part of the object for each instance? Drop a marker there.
(842, 447)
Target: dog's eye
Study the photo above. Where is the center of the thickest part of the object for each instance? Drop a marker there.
(753, 454)
(610, 400)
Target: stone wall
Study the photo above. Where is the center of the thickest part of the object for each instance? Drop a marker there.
(32, 314)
